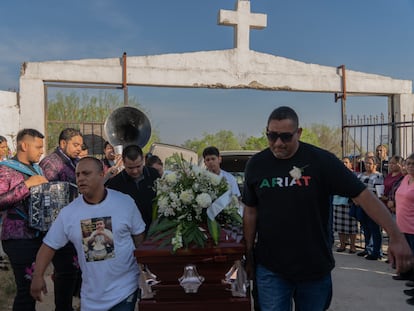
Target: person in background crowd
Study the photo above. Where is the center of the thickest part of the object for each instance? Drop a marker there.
(371, 178)
(389, 200)
(20, 242)
(394, 176)
(137, 180)
(60, 166)
(356, 163)
(112, 162)
(212, 160)
(84, 151)
(4, 149)
(108, 283)
(404, 198)
(345, 225)
(287, 203)
(368, 154)
(381, 153)
(4, 152)
(155, 162)
(109, 156)
(391, 194)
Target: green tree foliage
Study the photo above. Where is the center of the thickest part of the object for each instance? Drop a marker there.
(85, 112)
(309, 137)
(256, 143)
(317, 134)
(328, 138)
(77, 109)
(223, 140)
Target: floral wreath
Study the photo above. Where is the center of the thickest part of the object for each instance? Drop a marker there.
(190, 200)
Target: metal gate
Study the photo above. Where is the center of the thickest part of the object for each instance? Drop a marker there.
(364, 133)
(92, 131)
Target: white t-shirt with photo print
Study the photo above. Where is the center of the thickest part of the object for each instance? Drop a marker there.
(105, 282)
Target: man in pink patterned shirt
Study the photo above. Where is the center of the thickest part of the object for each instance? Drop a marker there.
(20, 242)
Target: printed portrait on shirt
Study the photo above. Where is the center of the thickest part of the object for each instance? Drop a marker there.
(98, 243)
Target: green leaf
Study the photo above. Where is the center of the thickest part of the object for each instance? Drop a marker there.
(214, 229)
(199, 238)
(162, 235)
(154, 211)
(189, 234)
(160, 225)
(238, 219)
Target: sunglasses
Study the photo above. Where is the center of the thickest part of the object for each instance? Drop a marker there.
(284, 137)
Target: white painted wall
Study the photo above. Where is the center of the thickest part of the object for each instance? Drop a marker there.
(9, 117)
(404, 108)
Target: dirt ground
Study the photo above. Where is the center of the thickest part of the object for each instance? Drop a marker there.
(7, 287)
(6, 298)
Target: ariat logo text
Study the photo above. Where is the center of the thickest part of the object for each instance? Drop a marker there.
(281, 182)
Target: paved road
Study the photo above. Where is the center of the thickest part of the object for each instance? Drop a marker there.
(358, 284)
(361, 284)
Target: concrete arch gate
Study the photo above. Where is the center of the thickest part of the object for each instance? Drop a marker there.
(237, 68)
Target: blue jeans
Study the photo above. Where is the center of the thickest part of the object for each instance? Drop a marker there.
(371, 231)
(128, 304)
(278, 294)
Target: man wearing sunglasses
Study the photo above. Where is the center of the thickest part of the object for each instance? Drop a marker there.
(286, 218)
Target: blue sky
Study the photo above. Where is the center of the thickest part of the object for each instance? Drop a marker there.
(374, 36)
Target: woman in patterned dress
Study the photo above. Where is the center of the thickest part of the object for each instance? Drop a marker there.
(345, 225)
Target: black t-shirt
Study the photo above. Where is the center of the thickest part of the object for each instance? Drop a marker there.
(293, 215)
(143, 191)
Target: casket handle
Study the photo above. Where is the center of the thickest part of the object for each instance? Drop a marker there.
(191, 280)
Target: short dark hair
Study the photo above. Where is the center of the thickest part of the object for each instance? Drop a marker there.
(2, 139)
(106, 144)
(398, 159)
(28, 132)
(68, 133)
(84, 146)
(147, 156)
(152, 159)
(283, 113)
(211, 150)
(132, 152)
(97, 162)
(374, 159)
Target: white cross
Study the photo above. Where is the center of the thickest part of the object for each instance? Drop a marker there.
(242, 19)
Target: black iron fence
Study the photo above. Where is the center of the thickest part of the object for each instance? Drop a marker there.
(93, 134)
(363, 133)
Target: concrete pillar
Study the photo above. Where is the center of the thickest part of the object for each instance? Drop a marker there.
(404, 118)
(32, 104)
(9, 117)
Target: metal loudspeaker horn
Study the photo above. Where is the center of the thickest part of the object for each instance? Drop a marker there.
(127, 126)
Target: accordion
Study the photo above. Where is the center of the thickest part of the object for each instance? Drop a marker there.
(47, 200)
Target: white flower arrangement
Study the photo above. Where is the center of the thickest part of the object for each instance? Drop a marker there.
(183, 199)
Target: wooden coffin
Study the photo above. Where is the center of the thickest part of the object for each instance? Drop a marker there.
(212, 263)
